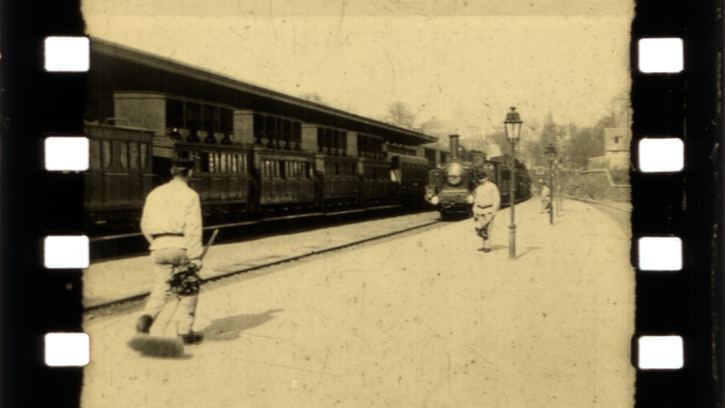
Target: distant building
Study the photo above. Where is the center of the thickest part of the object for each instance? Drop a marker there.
(616, 150)
(607, 177)
(616, 147)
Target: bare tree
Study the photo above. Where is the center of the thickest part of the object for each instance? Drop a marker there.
(400, 115)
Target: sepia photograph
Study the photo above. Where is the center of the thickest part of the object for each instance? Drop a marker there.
(359, 203)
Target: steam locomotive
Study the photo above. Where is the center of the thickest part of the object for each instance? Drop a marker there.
(451, 184)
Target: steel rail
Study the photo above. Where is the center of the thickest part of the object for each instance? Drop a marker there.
(135, 298)
(254, 222)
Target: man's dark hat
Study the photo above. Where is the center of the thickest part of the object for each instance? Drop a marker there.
(482, 174)
(183, 163)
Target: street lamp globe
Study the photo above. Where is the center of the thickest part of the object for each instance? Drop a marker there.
(512, 125)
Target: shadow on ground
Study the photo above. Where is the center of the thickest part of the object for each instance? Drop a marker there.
(228, 328)
(528, 249)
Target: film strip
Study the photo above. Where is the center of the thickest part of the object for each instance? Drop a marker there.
(676, 58)
(679, 304)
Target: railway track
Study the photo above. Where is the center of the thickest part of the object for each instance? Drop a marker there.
(134, 302)
(261, 221)
(128, 244)
(620, 213)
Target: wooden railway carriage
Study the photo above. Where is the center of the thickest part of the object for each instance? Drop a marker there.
(377, 187)
(335, 168)
(119, 177)
(411, 175)
(500, 170)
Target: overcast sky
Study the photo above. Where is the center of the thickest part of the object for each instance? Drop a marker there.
(463, 64)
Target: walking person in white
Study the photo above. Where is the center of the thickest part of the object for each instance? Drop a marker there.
(545, 197)
(486, 202)
(172, 224)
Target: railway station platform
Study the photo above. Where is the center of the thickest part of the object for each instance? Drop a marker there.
(424, 320)
(109, 281)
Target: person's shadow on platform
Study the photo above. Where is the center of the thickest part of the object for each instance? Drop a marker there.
(228, 328)
(495, 248)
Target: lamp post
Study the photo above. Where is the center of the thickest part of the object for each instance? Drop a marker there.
(550, 157)
(512, 125)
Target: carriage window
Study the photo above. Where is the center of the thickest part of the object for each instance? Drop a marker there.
(205, 163)
(215, 162)
(107, 154)
(223, 162)
(144, 155)
(95, 154)
(276, 169)
(123, 154)
(283, 169)
(133, 155)
(235, 161)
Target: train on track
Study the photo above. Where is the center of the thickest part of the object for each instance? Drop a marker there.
(451, 184)
(258, 154)
(239, 184)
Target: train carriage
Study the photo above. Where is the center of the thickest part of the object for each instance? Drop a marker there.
(119, 176)
(377, 187)
(285, 178)
(411, 175)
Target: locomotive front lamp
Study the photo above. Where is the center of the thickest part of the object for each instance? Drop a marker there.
(455, 174)
(512, 126)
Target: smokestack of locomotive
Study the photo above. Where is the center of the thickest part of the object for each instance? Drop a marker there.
(454, 146)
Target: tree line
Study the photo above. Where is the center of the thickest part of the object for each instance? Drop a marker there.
(575, 144)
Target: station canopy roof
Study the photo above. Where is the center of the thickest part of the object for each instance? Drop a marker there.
(135, 70)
